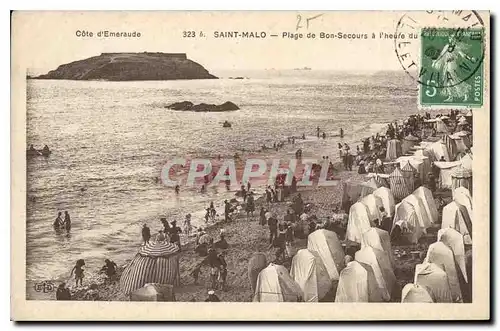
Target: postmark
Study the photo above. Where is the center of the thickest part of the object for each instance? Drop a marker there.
(446, 58)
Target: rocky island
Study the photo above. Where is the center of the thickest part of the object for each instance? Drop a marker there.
(203, 107)
(130, 67)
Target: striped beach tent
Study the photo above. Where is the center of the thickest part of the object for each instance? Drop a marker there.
(408, 173)
(156, 262)
(399, 188)
(461, 177)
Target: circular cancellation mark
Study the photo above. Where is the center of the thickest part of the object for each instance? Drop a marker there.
(449, 48)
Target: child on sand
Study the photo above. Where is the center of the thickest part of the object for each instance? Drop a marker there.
(78, 271)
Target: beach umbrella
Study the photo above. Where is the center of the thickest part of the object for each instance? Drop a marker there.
(398, 185)
(461, 177)
(408, 173)
(156, 262)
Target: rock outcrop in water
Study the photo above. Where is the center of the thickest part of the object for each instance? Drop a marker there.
(202, 107)
(131, 66)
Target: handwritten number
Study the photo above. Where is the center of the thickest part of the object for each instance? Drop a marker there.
(299, 19)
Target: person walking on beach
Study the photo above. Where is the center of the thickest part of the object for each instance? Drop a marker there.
(212, 211)
(341, 133)
(227, 211)
(187, 225)
(317, 131)
(177, 189)
(58, 223)
(67, 221)
(146, 234)
(78, 270)
(174, 234)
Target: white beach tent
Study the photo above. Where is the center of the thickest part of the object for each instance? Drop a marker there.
(359, 222)
(328, 247)
(438, 150)
(310, 273)
(381, 240)
(442, 255)
(466, 161)
(274, 284)
(420, 211)
(461, 176)
(427, 199)
(463, 197)
(440, 126)
(385, 195)
(435, 281)
(393, 149)
(379, 261)
(455, 241)
(457, 217)
(404, 211)
(413, 293)
(445, 172)
(373, 203)
(357, 283)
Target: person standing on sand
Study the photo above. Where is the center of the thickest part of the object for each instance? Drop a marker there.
(177, 189)
(262, 215)
(227, 211)
(78, 269)
(187, 225)
(250, 207)
(268, 195)
(324, 135)
(341, 133)
(146, 234)
(317, 131)
(166, 226)
(67, 221)
(174, 234)
(272, 222)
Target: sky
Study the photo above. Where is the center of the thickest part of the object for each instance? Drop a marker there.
(47, 40)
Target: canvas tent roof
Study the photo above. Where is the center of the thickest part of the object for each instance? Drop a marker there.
(406, 212)
(415, 294)
(387, 198)
(399, 188)
(384, 275)
(440, 126)
(438, 150)
(359, 222)
(463, 197)
(442, 255)
(457, 217)
(310, 274)
(466, 161)
(274, 284)
(435, 281)
(379, 239)
(455, 241)
(373, 203)
(445, 171)
(420, 210)
(327, 245)
(427, 199)
(357, 283)
(461, 172)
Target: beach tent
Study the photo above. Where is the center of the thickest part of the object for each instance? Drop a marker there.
(457, 217)
(373, 203)
(156, 262)
(327, 245)
(154, 292)
(461, 141)
(425, 195)
(257, 262)
(379, 239)
(425, 152)
(455, 241)
(393, 149)
(384, 274)
(369, 186)
(440, 126)
(351, 190)
(438, 150)
(442, 255)
(404, 211)
(398, 185)
(451, 146)
(461, 177)
(421, 212)
(420, 164)
(469, 113)
(359, 222)
(435, 281)
(310, 273)
(413, 293)
(274, 284)
(408, 173)
(357, 283)
(445, 171)
(387, 198)
(466, 161)
(381, 180)
(462, 196)
(462, 121)
(408, 142)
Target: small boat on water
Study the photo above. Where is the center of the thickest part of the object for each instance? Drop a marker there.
(226, 124)
(32, 152)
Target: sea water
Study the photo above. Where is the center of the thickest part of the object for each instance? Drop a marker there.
(109, 141)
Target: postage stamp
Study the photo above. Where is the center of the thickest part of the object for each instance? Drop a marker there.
(452, 67)
(286, 163)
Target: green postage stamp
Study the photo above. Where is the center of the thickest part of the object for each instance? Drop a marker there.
(451, 68)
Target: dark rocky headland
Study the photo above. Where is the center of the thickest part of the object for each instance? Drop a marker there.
(131, 66)
(189, 106)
